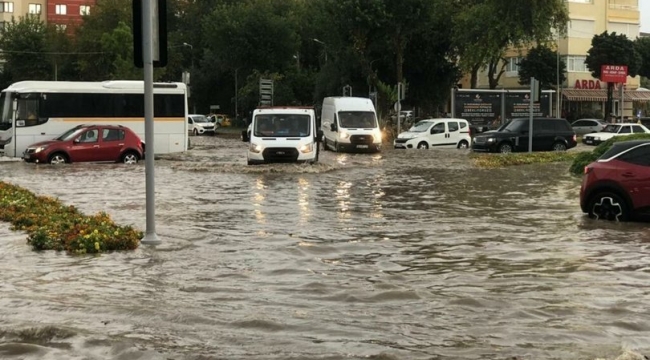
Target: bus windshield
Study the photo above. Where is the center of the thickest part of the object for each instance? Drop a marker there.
(5, 111)
(284, 125)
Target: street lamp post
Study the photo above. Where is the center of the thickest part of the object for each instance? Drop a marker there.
(324, 45)
(191, 69)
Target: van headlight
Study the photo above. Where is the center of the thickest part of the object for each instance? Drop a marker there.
(255, 148)
(40, 148)
(377, 135)
(344, 135)
(307, 148)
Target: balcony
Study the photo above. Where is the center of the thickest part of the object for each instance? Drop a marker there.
(632, 5)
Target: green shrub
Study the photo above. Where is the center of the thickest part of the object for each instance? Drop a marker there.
(586, 158)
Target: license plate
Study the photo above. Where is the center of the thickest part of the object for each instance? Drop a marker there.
(588, 141)
(362, 146)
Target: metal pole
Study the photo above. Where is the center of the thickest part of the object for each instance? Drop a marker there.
(236, 102)
(622, 107)
(530, 122)
(557, 90)
(150, 237)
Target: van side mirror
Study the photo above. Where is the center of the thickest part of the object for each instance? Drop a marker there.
(333, 127)
(244, 136)
(319, 135)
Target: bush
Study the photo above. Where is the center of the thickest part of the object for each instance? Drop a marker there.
(586, 158)
(502, 160)
(50, 225)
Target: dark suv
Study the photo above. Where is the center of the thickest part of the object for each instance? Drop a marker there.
(615, 187)
(548, 135)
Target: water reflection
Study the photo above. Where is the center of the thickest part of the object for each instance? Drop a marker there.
(403, 255)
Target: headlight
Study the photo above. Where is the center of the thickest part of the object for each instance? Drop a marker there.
(255, 148)
(491, 140)
(377, 135)
(40, 148)
(344, 135)
(307, 148)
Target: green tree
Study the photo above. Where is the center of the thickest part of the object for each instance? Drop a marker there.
(484, 29)
(542, 64)
(642, 46)
(612, 49)
(25, 50)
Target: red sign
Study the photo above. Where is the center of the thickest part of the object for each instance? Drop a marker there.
(613, 73)
(587, 84)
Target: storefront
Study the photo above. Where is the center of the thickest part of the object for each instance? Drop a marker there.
(587, 99)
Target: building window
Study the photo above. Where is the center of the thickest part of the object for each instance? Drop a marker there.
(34, 8)
(3, 25)
(84, 10)
(629, 30)
(512, 66)
(61, 9)
(6, 6)
(582, 29)
(576, 64)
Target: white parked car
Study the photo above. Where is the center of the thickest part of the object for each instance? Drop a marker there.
(612, 130)
(199, 124)
(435, 133)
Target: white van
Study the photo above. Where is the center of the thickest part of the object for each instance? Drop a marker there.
(435, 133)
(282, 134)
(350, 124)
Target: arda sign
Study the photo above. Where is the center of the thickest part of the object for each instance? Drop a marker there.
(613, 73)
(587, 84)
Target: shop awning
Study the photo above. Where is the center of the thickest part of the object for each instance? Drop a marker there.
(601, 95)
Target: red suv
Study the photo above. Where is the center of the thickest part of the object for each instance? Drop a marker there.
(616, 187)
(89, 143)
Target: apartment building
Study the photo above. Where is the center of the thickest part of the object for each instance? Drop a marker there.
(65, 14)
(581, 94)
(16, 9)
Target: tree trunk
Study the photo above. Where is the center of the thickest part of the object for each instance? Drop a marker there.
(474, 76)
(609, 103)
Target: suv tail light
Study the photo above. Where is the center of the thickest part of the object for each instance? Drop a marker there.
(575, 138)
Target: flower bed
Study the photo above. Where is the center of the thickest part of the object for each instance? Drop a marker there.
(51, 225)
(502, 160)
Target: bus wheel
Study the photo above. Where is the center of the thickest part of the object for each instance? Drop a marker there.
(58, 158)
(130, 158)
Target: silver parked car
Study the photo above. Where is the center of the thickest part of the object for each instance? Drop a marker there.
(588, 126)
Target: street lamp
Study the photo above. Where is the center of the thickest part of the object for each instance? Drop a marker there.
(324, 45)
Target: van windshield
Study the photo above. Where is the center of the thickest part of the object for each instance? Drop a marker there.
(357, 119)
(282, 125)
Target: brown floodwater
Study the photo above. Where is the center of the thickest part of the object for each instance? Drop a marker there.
(400, 255)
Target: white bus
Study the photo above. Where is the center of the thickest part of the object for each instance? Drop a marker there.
(33, 111)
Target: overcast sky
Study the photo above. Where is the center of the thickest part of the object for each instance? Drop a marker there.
(644, 6)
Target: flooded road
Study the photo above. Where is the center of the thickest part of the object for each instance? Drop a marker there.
(402, 255)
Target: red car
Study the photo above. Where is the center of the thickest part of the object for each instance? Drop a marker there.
(616, 187)
(89, 143)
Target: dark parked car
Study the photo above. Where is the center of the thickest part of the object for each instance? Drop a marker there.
(89, 143)
(548, 135)
(616, 186)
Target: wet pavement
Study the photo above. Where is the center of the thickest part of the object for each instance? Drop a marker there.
(398, 255)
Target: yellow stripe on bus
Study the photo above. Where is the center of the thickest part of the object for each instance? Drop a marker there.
(116, 119)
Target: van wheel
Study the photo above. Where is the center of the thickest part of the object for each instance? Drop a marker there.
(325, 148)
(463, 144)
(248, 162)
(505, 148)
(336, 147)
(58, 158)
(423, 145)
(608, 206)
(559, 146)
(195, 132)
